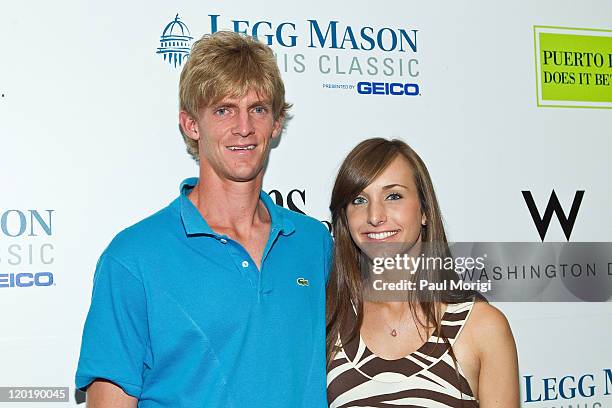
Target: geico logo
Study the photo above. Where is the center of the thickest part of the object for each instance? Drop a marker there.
(387, 88)
(24, 280)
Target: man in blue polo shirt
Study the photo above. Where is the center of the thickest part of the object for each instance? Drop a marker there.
(218, 299)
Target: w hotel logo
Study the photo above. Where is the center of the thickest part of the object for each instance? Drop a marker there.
(542, 222)
(175, 42)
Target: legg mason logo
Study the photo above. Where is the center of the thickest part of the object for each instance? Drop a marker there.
(175, 42)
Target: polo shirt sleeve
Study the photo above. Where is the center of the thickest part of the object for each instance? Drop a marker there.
(115, 336)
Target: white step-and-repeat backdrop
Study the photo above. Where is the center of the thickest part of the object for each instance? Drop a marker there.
(507, 102)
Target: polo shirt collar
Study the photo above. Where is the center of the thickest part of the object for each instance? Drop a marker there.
(278, 222)
(195, 224)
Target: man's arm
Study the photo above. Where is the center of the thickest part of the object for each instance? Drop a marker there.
(105, 394)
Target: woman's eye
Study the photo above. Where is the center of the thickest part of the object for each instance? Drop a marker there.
(359, 200)
(394, 196)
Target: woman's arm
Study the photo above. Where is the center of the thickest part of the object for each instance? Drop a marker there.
(498, 380)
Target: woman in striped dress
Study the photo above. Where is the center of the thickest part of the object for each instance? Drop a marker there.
(429, 348)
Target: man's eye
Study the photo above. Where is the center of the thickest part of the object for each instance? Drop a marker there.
(260, 109)
(222, 111)
(359, 200)
(394, 196)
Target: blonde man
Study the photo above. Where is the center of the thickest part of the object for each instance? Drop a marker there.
(218, 299)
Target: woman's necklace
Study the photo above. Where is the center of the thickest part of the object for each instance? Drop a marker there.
(394, 331)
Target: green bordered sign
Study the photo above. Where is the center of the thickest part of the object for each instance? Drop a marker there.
(573, 67)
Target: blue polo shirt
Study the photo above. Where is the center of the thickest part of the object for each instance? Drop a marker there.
(181, 317)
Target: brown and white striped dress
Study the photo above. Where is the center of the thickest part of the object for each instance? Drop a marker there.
(425, 378)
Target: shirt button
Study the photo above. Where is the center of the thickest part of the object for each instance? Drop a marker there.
(223, 240)
(245, 264)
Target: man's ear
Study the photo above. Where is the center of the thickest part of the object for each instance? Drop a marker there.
(278, 126)
(189, 125)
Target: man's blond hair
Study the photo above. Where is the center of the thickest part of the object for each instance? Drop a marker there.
(227, 64)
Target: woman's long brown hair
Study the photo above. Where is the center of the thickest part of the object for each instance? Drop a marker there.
(345, 286)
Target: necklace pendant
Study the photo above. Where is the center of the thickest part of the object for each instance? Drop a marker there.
(394, 333)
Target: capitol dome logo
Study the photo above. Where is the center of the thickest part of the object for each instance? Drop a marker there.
(175, 42)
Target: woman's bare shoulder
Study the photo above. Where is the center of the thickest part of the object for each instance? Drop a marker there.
(489, 328)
